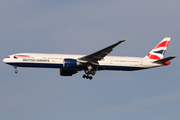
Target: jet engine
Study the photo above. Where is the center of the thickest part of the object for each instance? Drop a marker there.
(66, 72)
(70, 63)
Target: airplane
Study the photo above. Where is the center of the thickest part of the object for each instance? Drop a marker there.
(70, 64)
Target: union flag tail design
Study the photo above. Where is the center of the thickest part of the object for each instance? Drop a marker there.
(158, 52)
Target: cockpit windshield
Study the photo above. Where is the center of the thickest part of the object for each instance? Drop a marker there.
(8, 57)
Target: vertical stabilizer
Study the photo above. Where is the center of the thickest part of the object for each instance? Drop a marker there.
(158, 52)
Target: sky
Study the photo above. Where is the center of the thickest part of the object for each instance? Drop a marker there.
(84, 27)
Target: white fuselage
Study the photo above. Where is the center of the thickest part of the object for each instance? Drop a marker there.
(57, 61)
(70, 64)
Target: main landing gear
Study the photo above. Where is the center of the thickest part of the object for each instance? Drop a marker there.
(16, 71)
(91, 70)
(87, 77)
(88, 73)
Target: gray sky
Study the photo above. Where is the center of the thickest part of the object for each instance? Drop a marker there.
(83, 27)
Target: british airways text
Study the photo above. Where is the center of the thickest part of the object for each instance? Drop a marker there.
(37, 60)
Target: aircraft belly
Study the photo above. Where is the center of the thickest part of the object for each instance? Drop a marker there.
(123, 68)
(40, 65)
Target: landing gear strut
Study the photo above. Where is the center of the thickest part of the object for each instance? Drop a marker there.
(91, 70)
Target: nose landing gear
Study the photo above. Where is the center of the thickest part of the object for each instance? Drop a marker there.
(16, 71)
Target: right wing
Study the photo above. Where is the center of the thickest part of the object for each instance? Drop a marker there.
(95, 57)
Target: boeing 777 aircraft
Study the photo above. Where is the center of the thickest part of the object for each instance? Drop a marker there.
(71, 64)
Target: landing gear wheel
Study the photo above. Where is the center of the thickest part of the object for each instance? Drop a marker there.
(84, 76)
(88, 73)
(87, 77)
(16, 71)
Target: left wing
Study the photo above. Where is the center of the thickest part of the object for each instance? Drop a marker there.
(95, 57)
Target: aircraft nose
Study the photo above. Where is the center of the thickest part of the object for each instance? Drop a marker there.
(4, 60)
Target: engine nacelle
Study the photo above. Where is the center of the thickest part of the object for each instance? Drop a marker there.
(66, 72)
(70, 63)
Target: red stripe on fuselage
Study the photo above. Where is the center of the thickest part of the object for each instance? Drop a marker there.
(21, 56)
(163, 44)
(153, 56)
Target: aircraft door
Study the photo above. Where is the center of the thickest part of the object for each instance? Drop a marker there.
(141, 62)
(111, 60)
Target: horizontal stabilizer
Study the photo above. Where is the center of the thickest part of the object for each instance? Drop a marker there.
(164, 60)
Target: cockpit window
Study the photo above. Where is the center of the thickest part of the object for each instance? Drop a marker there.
(8, 57)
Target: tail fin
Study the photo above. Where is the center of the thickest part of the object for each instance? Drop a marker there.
(158, 52)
